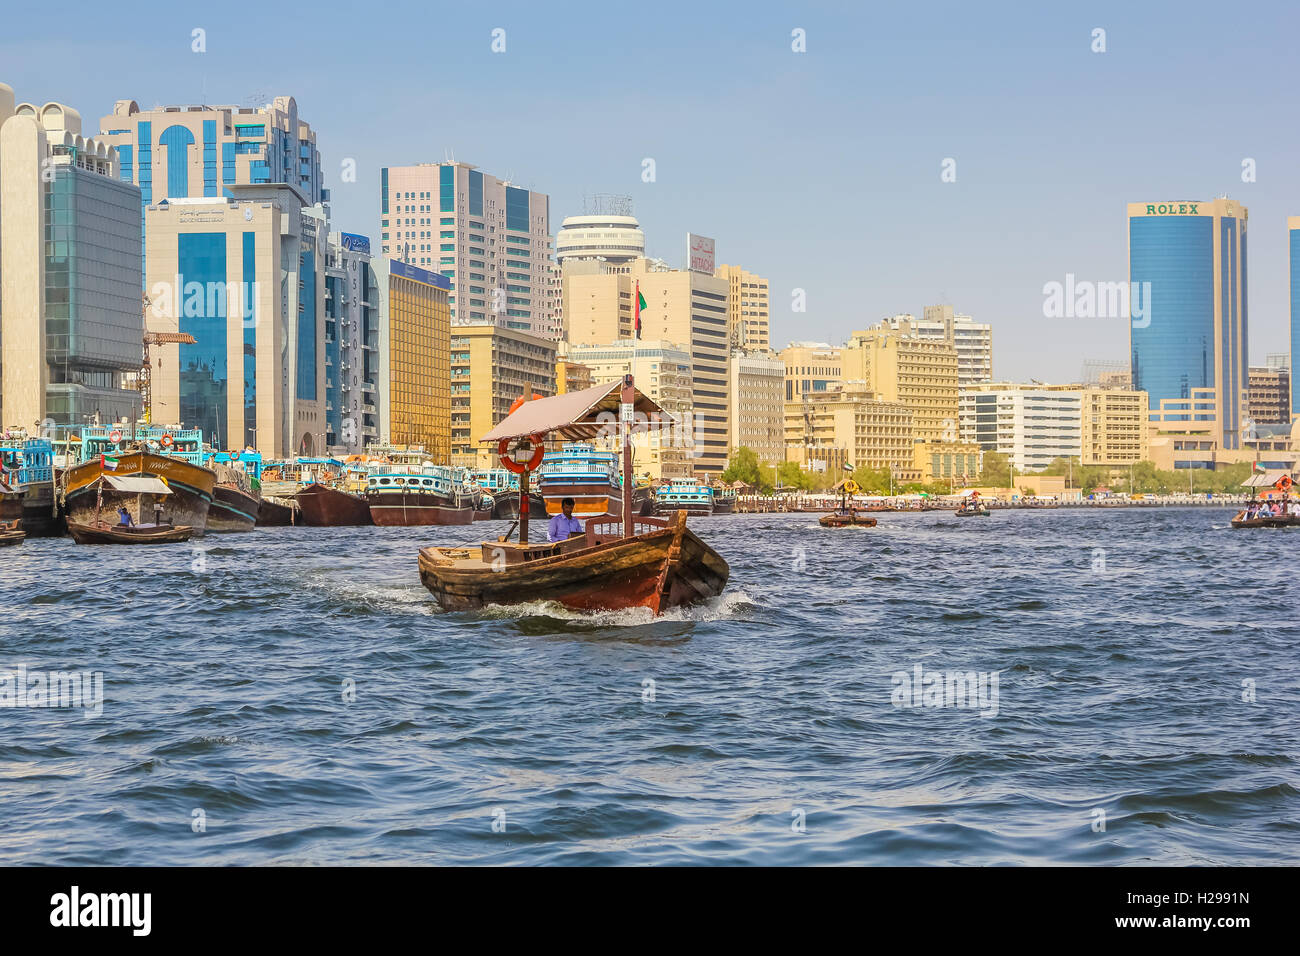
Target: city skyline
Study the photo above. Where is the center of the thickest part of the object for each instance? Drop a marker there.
(738, 170)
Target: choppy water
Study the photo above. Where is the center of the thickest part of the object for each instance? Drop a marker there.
(1120, 689)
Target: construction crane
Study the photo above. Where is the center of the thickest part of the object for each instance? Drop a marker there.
(155, 338)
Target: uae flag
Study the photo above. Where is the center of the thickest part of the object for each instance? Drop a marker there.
(639, 305)
(107, 464)
(1259, 469)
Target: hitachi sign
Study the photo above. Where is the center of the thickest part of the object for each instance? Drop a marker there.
(1172, 209)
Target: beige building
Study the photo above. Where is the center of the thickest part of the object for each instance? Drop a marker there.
(489, 237)
(414, 358)
(216, 268)
(491, 367)
(956, 462)
(571, 376)
(811, 367)
(973, 340)
(1113, 426)
(873, 433)
(71, 326)
(1268, 395)
(748, 309)
(758, 404)
(683, 308)
(920, 372)
(662, 370)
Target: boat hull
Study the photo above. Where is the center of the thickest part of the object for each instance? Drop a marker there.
(275, 514)
(661, 569)
(188, 504)
(700, 509)
(588, 501)
(406, 509)
(507, 506)
(40, 518)
(1274, 521)
(322, 507)
(102, 533)
(233, 509)
(846, 521)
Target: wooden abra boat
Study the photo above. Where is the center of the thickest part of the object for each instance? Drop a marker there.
(846, 517)
(663, 565)
(1260, 517)
(616, 562)
(104, 533)
(972, 507)
(11, 532)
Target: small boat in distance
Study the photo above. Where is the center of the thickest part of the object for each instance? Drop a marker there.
(846, 516)
(1278, 513)
(972, 507)
(11, 532)
(614, 563)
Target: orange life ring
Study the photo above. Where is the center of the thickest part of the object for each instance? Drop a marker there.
(166, 440)
(115, 436)
(519, 401)
(503, 446)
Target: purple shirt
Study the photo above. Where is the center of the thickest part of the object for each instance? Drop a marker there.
(560, 527)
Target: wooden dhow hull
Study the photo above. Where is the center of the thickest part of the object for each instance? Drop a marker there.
(406, 509)
(233, 509)
(323, 507)
(188, 504)
(275, 513)
(663, 568)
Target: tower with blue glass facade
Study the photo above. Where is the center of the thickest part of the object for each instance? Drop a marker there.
(1187, 261)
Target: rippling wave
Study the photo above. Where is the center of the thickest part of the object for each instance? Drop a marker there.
(295, 696)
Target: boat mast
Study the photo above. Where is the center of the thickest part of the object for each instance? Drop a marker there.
(627, 402)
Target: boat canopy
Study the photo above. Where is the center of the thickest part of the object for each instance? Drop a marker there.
(576, 416)
(137, 484)
(1266, 480)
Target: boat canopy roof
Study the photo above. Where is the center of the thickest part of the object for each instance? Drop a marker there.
(1266, 480)
(575, 415)
(137, 484)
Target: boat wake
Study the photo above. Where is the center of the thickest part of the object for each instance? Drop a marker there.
(732, 605)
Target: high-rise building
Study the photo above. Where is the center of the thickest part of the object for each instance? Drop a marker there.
(1187, 262)
(811, 367)
(197, 151)
(616, 239)
(414, 374)
(748, 310)
(351, 344)
(973, 340)
(919, 371)
(491, 367)
(758, 404)
(71, 325)
(1268, 400)
(662, 370)
(684, 308)
(1031, 424)
(216, 268)
(489, 237)
(1293, 253)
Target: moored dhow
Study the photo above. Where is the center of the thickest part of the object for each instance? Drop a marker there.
(171, 456)
(684, 494)
(615, 563)
(237, 495)
(588, 476)
(27, 467)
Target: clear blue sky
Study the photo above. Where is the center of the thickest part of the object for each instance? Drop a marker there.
(819, 170)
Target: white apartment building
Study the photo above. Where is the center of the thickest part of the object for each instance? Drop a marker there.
(974, 340)
(1031, 424)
